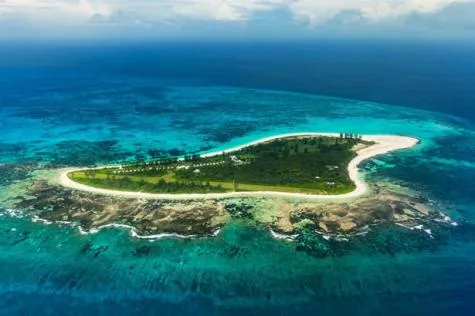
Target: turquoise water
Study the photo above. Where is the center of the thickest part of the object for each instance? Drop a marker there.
(49, 269)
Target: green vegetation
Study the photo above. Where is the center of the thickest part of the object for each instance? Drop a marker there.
(315, 165)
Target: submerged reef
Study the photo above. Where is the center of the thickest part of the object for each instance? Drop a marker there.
(54, 203)
(377, 222)
(10, 173)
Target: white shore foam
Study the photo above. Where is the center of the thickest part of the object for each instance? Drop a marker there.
(446, 219)
(14, 213)
(131, 229)
(282, 236)
(133, 232)
(383, 144)
(161, 236)
(36, 219)
(418, 227)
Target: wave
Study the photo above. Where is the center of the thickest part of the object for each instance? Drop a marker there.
(14, 213)
(278, 236)
(133, 232)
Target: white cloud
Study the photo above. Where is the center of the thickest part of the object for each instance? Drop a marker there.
(58, 13)
(53, 11)
(223, 10)
(457, 16)
(209, 10)
(74, 11)
(321, 11)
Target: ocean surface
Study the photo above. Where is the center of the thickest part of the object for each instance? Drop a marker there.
(83, 104)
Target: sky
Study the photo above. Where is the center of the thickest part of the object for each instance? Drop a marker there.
(204, 19)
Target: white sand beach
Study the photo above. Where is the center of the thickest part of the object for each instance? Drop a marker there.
(383, 144)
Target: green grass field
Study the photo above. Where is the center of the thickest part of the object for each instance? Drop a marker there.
(315, 165)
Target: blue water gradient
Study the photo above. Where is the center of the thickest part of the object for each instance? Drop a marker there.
(72, 110)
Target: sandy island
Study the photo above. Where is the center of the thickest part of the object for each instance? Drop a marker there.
(383, 144)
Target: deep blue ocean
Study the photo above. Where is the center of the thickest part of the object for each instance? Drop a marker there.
(88, 103)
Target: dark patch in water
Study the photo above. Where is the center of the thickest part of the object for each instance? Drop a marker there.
(15, 172)
(17, 149)
(386, 239)
(240, 210)
(85, 153)
(222, 135)
(93, 251)
(142, 251)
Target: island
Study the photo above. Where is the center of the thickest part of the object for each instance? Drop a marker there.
(304, 187)
(313, 165)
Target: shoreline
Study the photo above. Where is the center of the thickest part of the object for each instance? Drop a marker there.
(383, 145)
(131, 229)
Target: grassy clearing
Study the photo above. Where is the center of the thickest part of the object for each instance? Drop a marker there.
(314, 165)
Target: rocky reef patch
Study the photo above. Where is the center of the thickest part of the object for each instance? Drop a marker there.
(56, 204)
(376, 222)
